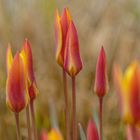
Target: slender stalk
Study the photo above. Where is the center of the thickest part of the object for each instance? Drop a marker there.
(67, 114)
(17, 126)
(74, 124)
(100, 117)
(28, 123)
(33, 120)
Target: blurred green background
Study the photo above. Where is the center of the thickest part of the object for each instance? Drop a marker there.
(115, 24)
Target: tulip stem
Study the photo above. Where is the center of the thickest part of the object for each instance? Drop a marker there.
(28, 123)
(74, 124)
(67, 114)
(100, 116)
(17, 126)
(33, 119)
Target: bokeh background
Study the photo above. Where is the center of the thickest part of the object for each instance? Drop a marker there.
(115, 24)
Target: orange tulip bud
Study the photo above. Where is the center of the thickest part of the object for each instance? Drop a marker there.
(61, 27)
(101, 79)
(92, 132)
(17, 96)
(26, 55)
(72, 60)
(127, 87)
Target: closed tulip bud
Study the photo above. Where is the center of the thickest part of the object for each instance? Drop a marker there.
(72, 60)
(26, 55)
(55, 134)
(61, 28)
(17, 96)
(101, 79)
(127, 88)
(92, 132)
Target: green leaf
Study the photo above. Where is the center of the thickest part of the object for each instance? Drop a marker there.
(82, 133)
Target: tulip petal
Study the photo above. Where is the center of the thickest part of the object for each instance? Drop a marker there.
(58, 39)
(16, 90)
(65, 22)
(72, 59)
(9, 58)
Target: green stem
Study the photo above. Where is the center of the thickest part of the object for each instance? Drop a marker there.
(67, 114)
(17, 126)
(74, 124)
(100, 117)
(33, 120)
(28, 123)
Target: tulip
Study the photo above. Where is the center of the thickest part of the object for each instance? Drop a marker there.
(101, 79)
(101, 82)
(16, 89)
(61, 28)
(26, 54)
(92, 132)
(17, 97)
(72, 65)
(127, 88)
(55, 134)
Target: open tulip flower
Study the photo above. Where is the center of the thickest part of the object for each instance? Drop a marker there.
(128, 89)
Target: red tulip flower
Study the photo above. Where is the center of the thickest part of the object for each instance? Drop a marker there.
(101, 79)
